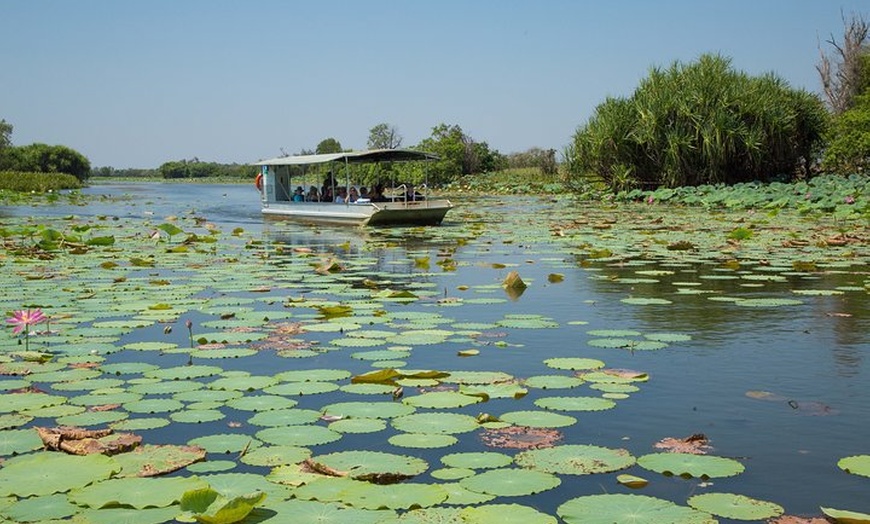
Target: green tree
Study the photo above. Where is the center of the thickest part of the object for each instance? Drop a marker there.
(384, 136)
(5, 134)
(328, 145)
(848, 148)
(43, 158)
(700, 123)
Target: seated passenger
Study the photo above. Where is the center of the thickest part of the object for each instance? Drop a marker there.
(298, 195)
(378, 194)
(326, 194)
(313, 195)
(363, 192)
(353, 196)
(341, 198)
(411, 194)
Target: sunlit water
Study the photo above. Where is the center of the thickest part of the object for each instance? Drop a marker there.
(812, 357)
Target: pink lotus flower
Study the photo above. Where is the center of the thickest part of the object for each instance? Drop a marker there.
(25, 318)
(849, 199)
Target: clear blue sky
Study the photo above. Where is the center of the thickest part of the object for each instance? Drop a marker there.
(135, 83)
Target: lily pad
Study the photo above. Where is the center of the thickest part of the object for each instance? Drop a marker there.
(395, 496)
(382, 410)
(149, 460)
(135, 492)
(17, 441)
(40, 509)
(575, 403)
(437, 423)
(575, 459)
(732, 506)
(638, 509)
(422, 440)
(538, 419)
(304, 435)
(37, 474)
(372, 466)
(856, 464)
(477, 460)
(691, 465)
(358, 425)
(504, 514)
(442, 400)
(510, 482)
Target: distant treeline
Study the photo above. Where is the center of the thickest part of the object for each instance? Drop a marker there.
(182, 169)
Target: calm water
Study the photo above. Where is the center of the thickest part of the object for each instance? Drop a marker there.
(812, 357)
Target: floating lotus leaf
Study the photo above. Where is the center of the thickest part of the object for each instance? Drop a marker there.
(422, 440)
(92, 418)
(314, 375)
(236, 337)
(15, 383)
(632, 481)
(614, 333)
(165, 387)
(575, 403)
(226, 443)
(40, 509)
(301, 388)
(223, 353)
(61, 410)
(88, 385)
(420, 337)
(242, 383)
(767, 302)
(150, 460)
(845, 516)
(13, 421)
(184, 372)
(500, 390)
(207, 395)
(477, 377)
(510, 482)
(353, 342)
(437, 423)
(153, 405)
(575, 459)
(302, 435)
(688, 464)
(504, 514)
(371, 466)
(37, 474)
(212, 466)
(17, 441)
(138, 424)
(358, 425)
(646, 301)
(442, 400)
(732, 506)
(207, 506)
(538, 419)
(574, 363)
(610, 387)
(383, 410)
(135, 492)
(452, 473)
(528, 322)
(668, 337)
(150, 346)
(95, 399)
(275, 455)
(477, 460)
(232, 485)
(394, 496)
(196, 416)
(313, 512)
(261, 403)
(856, 464)
(369, 389)
(638, 509)
(285, 417)
(28, 401)
(128, 515)
(615, 376)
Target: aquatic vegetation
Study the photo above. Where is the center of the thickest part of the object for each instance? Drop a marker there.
(293, 382)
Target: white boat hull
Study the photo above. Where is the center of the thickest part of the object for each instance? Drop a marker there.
(423, 212)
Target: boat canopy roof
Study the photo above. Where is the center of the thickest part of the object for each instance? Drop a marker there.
(351, 157)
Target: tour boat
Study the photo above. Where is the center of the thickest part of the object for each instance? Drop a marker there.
(397, 205)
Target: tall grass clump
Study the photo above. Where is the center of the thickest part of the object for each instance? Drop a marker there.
(700, 123)
(37, 182)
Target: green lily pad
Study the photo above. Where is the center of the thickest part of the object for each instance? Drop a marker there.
(149, 460)
(422, 440)
(40, 509)
(442, 400)
(686, 464)
(243, 383)
(856, 464)
(226, 443)
(128, 515)
(553, 381)
(638, 509)
(37, 474)
(210, 507)
(135, 492)
(437, 423)
(301, 388)
(504, 514)
(374, 466)
(29, 401)
(767, 302)
(285, 417)
(358, 425)
(302, 435)
(477, 460)
(575, 459)
(261, 403)
(275, 455)
(575, 403)
(153, 405)
(314, 512)
(17, 441)
(538, 419)
(394, 496)
(845, 516)
(732, 506)
(313, 375)
(382, 410)
(510, 482)
(196, 416)
(141, 423)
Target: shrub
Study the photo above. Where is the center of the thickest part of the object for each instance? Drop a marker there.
(38, 182)
(701, 123)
